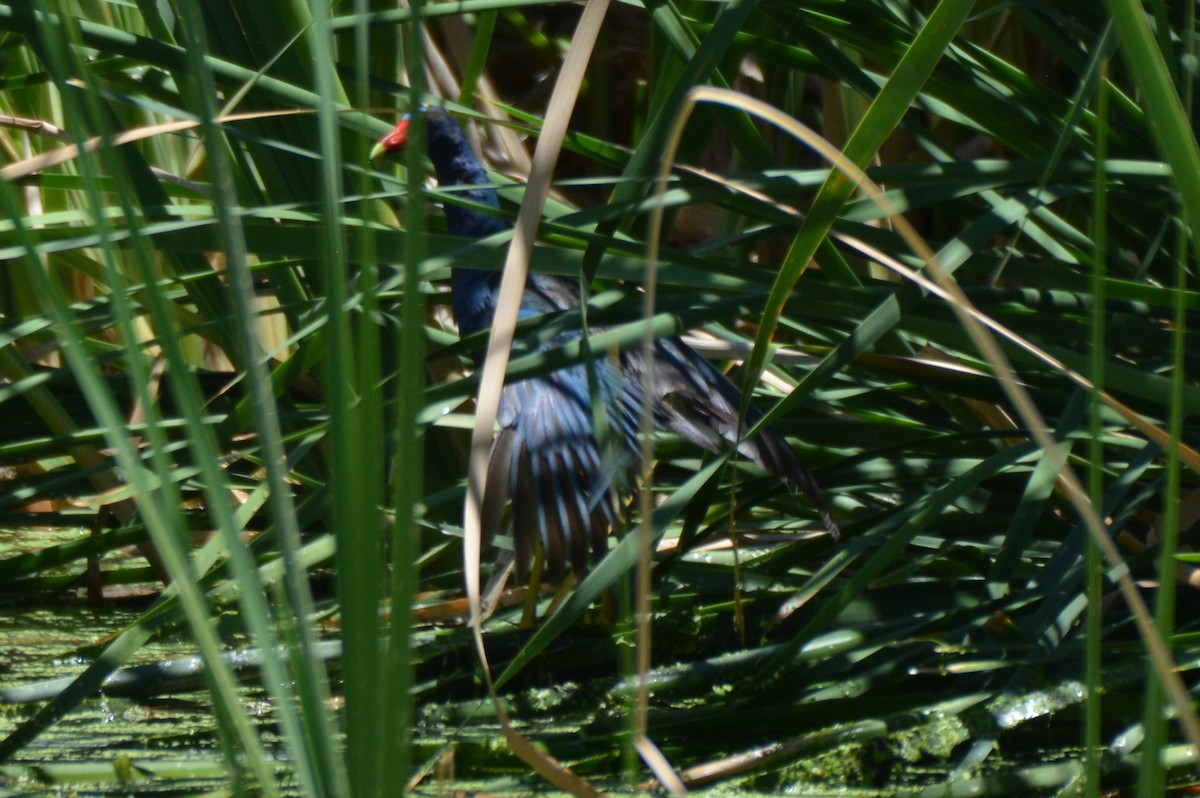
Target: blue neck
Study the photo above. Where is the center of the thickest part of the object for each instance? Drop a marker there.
(456, 165)
(473, 291)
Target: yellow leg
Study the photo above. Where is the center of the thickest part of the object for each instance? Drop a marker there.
(532, 589)
(561, 592)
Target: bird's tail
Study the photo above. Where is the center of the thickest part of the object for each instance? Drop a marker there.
(771, 452)
(698, 402)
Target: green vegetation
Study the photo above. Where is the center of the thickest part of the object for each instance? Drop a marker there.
(225, 340)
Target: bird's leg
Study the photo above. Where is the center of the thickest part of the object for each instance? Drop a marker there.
(608, 609)
(532, 590)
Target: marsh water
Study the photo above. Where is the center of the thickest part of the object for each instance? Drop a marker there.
(49, 634)
(107, 744)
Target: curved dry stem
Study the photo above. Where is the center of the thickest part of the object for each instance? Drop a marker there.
(69, 152)
(512, 288)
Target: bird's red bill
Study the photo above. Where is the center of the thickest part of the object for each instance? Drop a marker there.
(396, 140)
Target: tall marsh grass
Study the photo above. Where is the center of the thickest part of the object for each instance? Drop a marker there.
(224, 338)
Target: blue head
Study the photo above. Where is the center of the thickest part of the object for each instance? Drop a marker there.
(455, 165)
